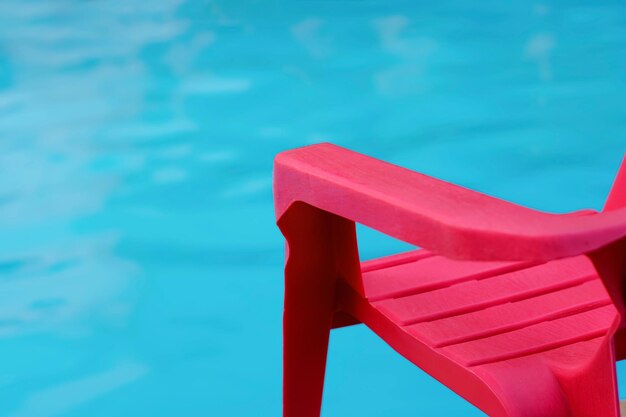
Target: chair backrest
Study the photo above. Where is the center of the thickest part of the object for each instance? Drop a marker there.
(610, 261)
(617, 196)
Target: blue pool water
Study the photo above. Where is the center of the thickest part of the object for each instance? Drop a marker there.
(140, 267)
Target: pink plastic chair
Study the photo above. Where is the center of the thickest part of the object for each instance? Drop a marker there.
(518, 311)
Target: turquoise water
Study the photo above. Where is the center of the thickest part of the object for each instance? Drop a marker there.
(140, 268)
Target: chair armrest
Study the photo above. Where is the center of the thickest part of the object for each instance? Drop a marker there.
(433, 214)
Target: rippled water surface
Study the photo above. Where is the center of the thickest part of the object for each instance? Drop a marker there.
(140, 268)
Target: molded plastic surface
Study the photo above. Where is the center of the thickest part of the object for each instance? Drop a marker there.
(518, 311)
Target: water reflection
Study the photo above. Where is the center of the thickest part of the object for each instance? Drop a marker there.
(64, 287)
(64, 397)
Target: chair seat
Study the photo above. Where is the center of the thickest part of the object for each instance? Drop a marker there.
(482, 317)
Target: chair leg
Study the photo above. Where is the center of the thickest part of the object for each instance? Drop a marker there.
(525, 387)
(316, 257)
(592, 390)
(306, 335)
